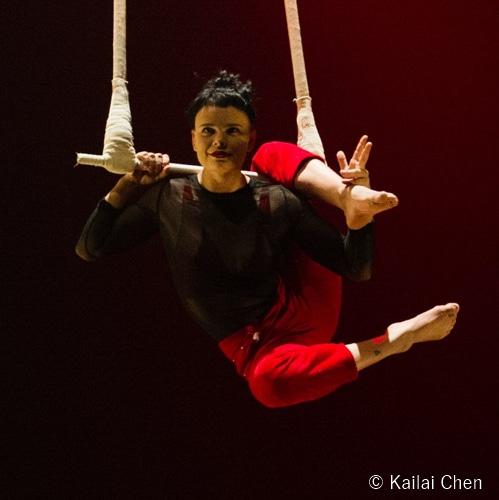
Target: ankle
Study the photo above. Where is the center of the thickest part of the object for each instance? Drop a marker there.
(400, 340)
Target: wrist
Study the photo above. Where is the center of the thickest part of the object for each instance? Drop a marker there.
(122, 191)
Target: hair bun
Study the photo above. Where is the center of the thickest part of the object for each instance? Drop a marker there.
(226, 80)
(225, 89)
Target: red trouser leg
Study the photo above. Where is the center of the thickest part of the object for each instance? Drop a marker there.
(287, 357)
(321, 289)
(291, 373)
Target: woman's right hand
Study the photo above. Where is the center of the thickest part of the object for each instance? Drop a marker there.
(153, 168)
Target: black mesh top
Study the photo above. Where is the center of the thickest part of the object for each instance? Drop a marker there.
(226, 250)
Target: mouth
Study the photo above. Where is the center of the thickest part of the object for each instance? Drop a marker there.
(219, 154)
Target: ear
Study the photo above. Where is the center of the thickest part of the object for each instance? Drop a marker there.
(252, 141)
(193, 140)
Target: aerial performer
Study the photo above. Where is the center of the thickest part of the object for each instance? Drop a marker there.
(254, 263)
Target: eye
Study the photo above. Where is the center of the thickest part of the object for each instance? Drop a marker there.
(207, 131)
(233, 131)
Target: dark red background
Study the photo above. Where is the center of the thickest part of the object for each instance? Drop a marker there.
(111, 391)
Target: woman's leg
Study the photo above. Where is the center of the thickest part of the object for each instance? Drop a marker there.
(350, 192)
(319, 290)
(294, 373)
(434, 324)
(308, 175)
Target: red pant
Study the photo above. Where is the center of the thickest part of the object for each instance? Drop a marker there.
(287, 357)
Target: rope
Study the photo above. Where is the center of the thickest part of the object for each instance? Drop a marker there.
(308, 135)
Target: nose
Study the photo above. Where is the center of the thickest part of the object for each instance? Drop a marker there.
(219, 140)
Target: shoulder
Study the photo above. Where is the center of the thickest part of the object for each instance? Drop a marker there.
(280, 198)
(260, 184)
(176, 184)
(165, 191)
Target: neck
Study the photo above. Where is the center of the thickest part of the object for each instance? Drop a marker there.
(222, 182)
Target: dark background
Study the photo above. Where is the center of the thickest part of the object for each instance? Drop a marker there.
(110, 391)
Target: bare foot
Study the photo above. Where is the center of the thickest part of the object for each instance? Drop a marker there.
(434, 324)
(361, 204)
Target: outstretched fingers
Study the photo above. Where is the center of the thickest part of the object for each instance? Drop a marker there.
(364, 152)
(361, 153)
(355, 172)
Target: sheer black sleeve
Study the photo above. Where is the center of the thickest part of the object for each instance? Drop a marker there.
(350, 256)
(110, 231)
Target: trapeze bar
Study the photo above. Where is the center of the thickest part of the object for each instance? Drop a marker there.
(175, 168)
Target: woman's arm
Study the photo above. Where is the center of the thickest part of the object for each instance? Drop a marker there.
(117, 223)
(350, 256)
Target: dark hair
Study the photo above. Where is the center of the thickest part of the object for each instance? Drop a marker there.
(224, 90)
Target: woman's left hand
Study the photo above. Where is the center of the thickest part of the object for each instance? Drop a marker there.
(355, 172)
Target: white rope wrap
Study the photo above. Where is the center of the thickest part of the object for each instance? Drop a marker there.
(119, 154)
(308, 135)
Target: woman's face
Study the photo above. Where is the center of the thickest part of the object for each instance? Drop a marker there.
(222, 137)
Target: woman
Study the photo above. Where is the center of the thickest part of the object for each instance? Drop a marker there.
(253, 264)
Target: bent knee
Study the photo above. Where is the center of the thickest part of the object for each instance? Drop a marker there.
(270, 386)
